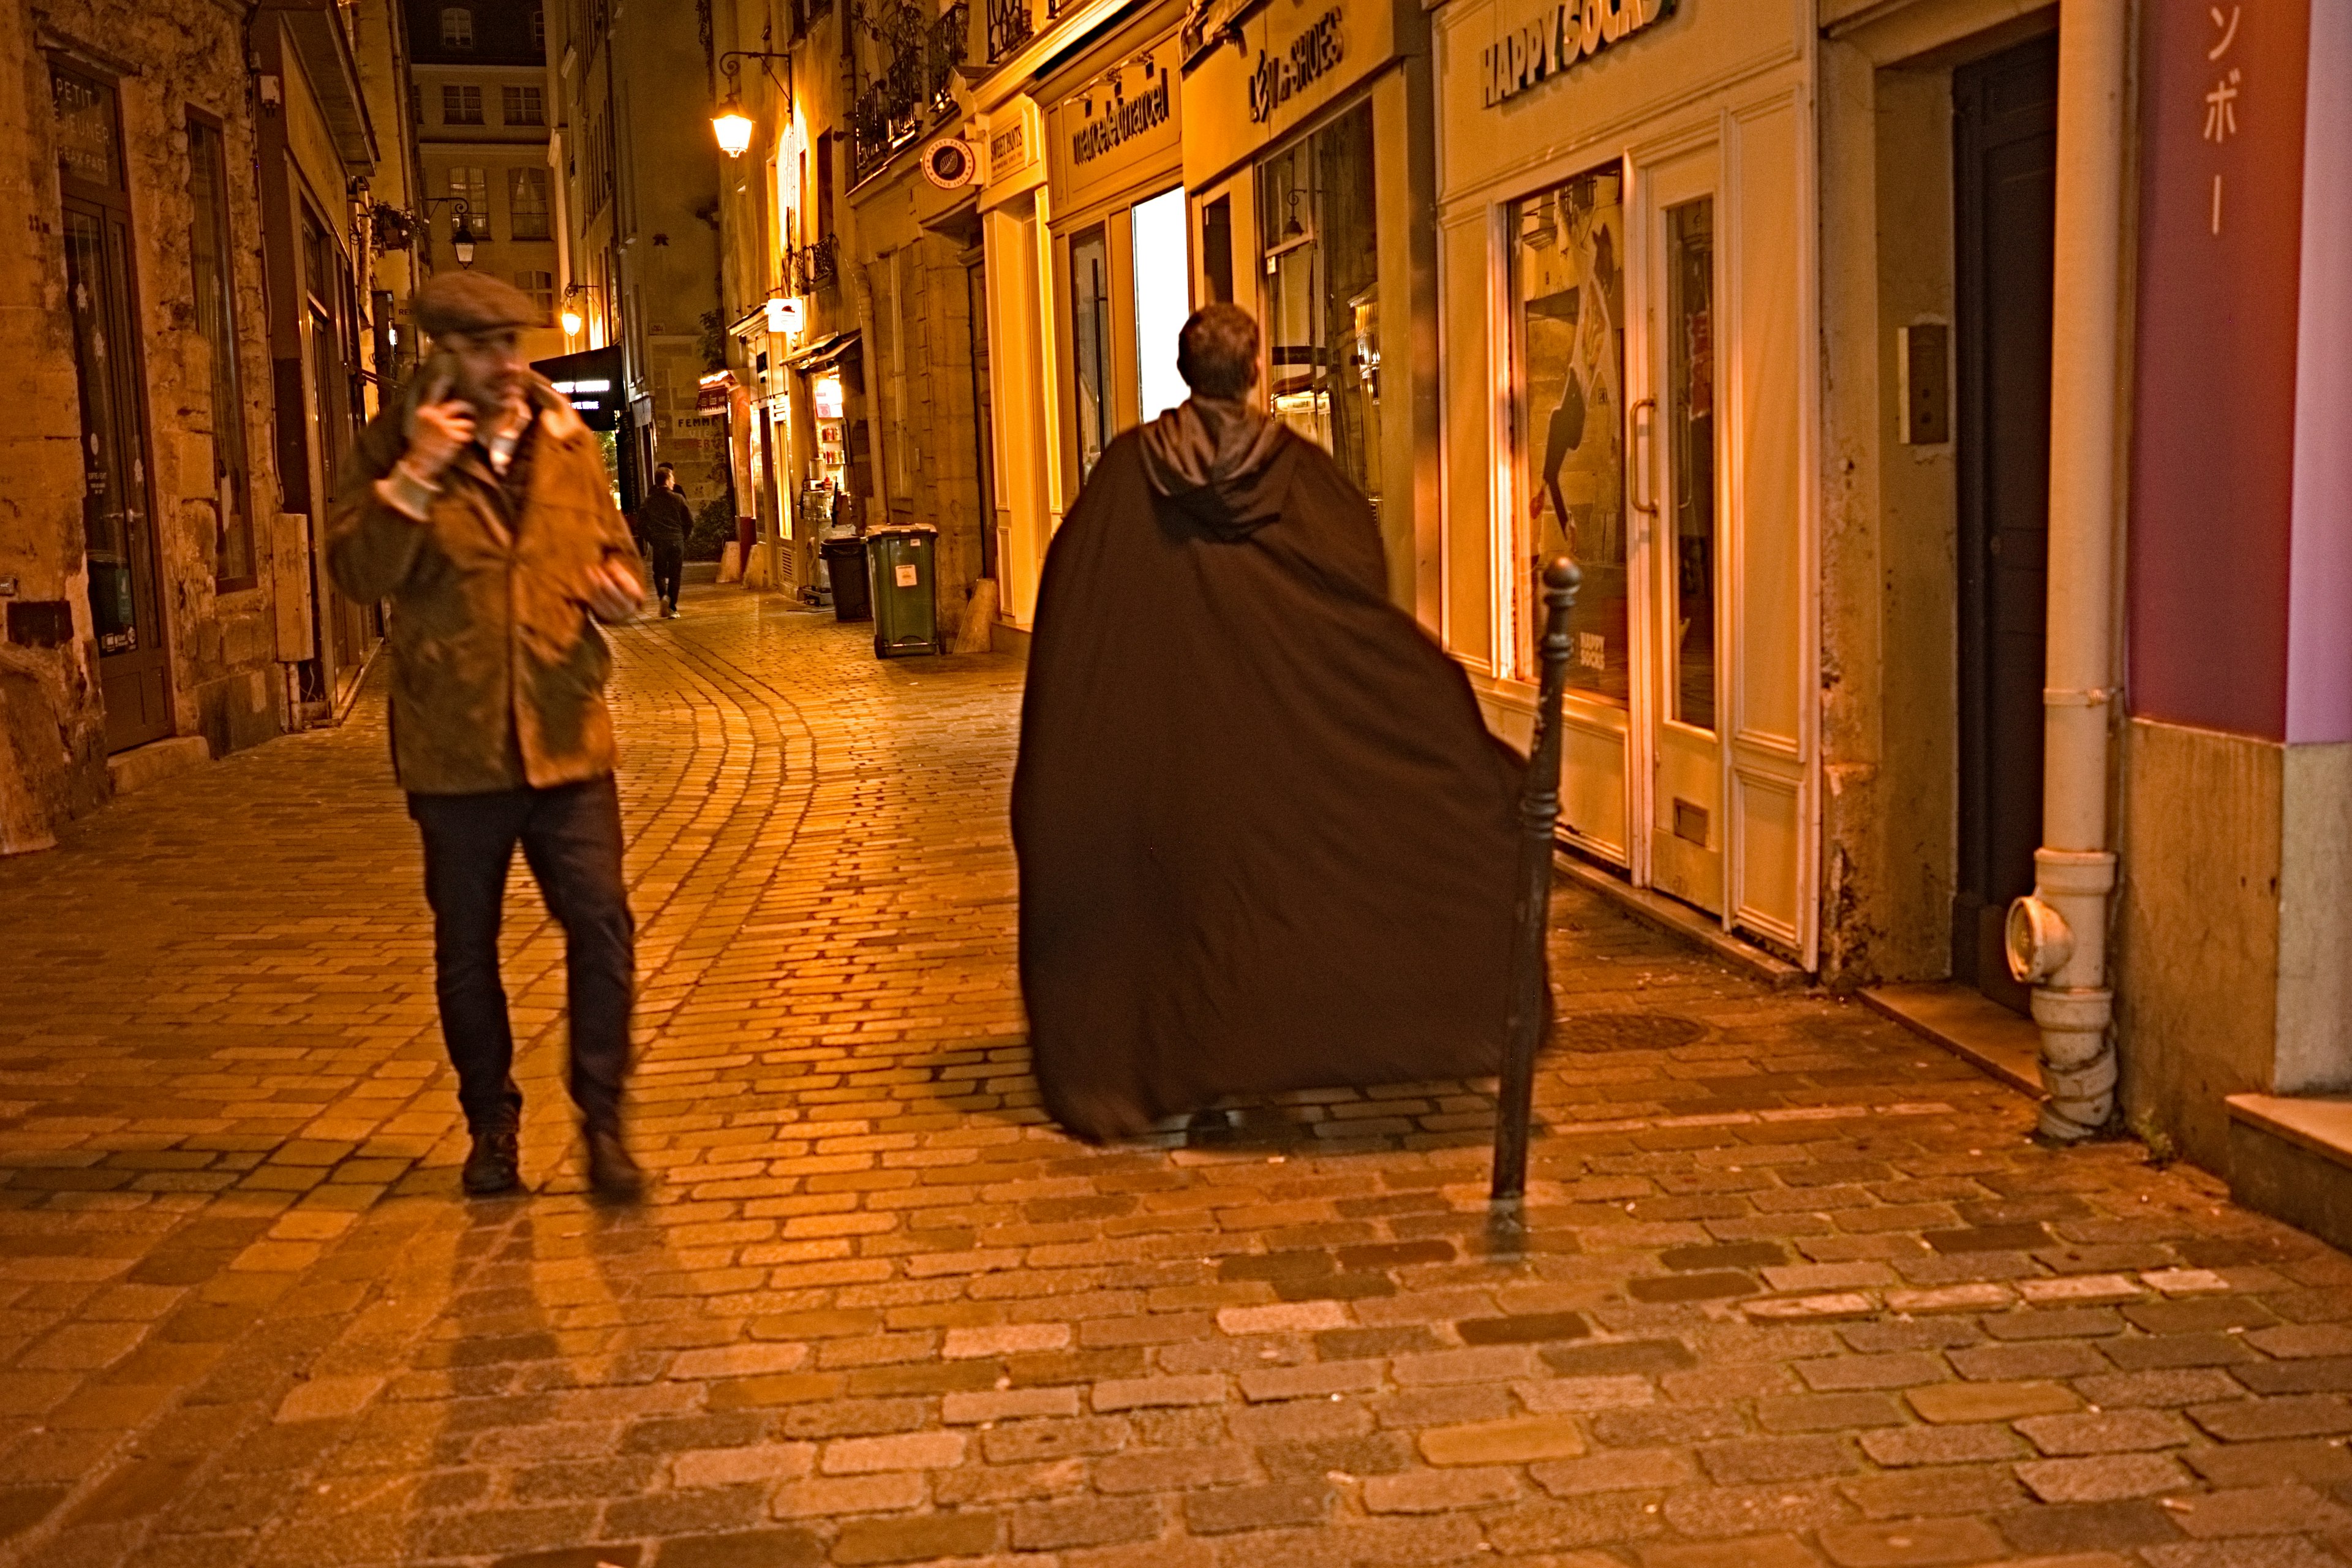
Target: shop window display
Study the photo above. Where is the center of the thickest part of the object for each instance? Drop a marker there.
(1568, 290)
(1322, 265)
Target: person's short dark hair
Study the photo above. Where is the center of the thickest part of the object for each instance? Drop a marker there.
(1216, 352)
(661, 468)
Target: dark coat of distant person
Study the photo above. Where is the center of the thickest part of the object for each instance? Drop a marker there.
(663, 518)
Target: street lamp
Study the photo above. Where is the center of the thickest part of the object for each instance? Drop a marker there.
(731, 124)
(461, 242)
(733, 127)
(574, 317)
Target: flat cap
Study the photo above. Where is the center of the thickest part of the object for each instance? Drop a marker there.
(470, 302)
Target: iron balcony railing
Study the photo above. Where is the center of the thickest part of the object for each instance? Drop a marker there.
(915, 84)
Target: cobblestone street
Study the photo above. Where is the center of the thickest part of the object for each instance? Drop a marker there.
(1798, 1291)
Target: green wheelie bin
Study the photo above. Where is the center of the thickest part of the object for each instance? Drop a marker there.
(905, 601)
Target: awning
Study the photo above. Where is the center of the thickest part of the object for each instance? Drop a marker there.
(824, 352)
(317, 29)
(711, 397)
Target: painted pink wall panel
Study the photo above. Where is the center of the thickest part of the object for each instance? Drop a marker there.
(2222, 122)
(2319, 624)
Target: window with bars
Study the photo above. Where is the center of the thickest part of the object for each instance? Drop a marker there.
(456, 27)
(523, 105)
(460, 105)
(526, 203)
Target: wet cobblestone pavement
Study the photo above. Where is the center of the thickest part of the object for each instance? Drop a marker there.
(1798, 1289)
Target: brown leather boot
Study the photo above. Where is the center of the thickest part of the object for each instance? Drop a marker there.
(612, 1172)
(494, 1166)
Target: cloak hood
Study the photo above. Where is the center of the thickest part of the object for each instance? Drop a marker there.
(1220, 461)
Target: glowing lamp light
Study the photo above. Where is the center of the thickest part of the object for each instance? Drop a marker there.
(733, 128)
(571, 320)
(825, 393)
(784, 314)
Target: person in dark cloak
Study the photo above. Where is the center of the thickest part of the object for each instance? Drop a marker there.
(1266, 842)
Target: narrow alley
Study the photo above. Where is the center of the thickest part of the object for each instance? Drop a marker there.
(1799, 1290)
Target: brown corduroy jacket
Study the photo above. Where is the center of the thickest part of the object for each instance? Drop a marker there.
(498, 666)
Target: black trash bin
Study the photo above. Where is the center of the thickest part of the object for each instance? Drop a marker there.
(845, 567)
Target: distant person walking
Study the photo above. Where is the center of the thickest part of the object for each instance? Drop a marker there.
(665, 520)
(478, 506)
(1266, 842)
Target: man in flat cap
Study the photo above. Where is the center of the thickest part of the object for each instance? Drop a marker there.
(478, 505)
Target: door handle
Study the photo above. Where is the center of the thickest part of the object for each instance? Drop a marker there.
(1645, 444)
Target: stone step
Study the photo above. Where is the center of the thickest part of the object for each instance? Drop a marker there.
(1969, 1024)
(2290, 1157)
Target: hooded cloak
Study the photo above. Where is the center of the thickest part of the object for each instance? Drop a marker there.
(1266, 842)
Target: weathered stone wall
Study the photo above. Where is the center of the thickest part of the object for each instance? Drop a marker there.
(222, 677)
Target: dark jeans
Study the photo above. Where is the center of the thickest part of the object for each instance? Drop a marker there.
(669, 569)
(571, 838)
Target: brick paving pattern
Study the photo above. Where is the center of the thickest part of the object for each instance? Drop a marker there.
(1798, 1291)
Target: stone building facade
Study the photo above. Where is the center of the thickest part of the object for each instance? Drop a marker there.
(640, 227)
(191, 337)
(163, 518)
(483, 117)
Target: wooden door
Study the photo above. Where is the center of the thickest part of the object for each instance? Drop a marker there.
(2005, 146)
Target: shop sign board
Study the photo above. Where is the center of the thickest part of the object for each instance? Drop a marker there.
(1116, 128)
(1269, 73)
(1012, 151)
(1314, 54)
(592, 382)
(1008, 147)
(1564, 33)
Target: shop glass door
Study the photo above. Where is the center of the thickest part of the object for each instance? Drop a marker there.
(118, 526)
(1568, 352)
(1090, 349)
(1163, 297)
(1686, 825)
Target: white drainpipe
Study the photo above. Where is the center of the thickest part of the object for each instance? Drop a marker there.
(2057, 937)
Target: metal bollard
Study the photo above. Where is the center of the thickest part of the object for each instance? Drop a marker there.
(1538, 813)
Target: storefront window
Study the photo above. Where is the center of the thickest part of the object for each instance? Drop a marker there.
(1690, 450)
(1318, 234)
(1090, 344)
(1568, 289)
(1164, 293)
